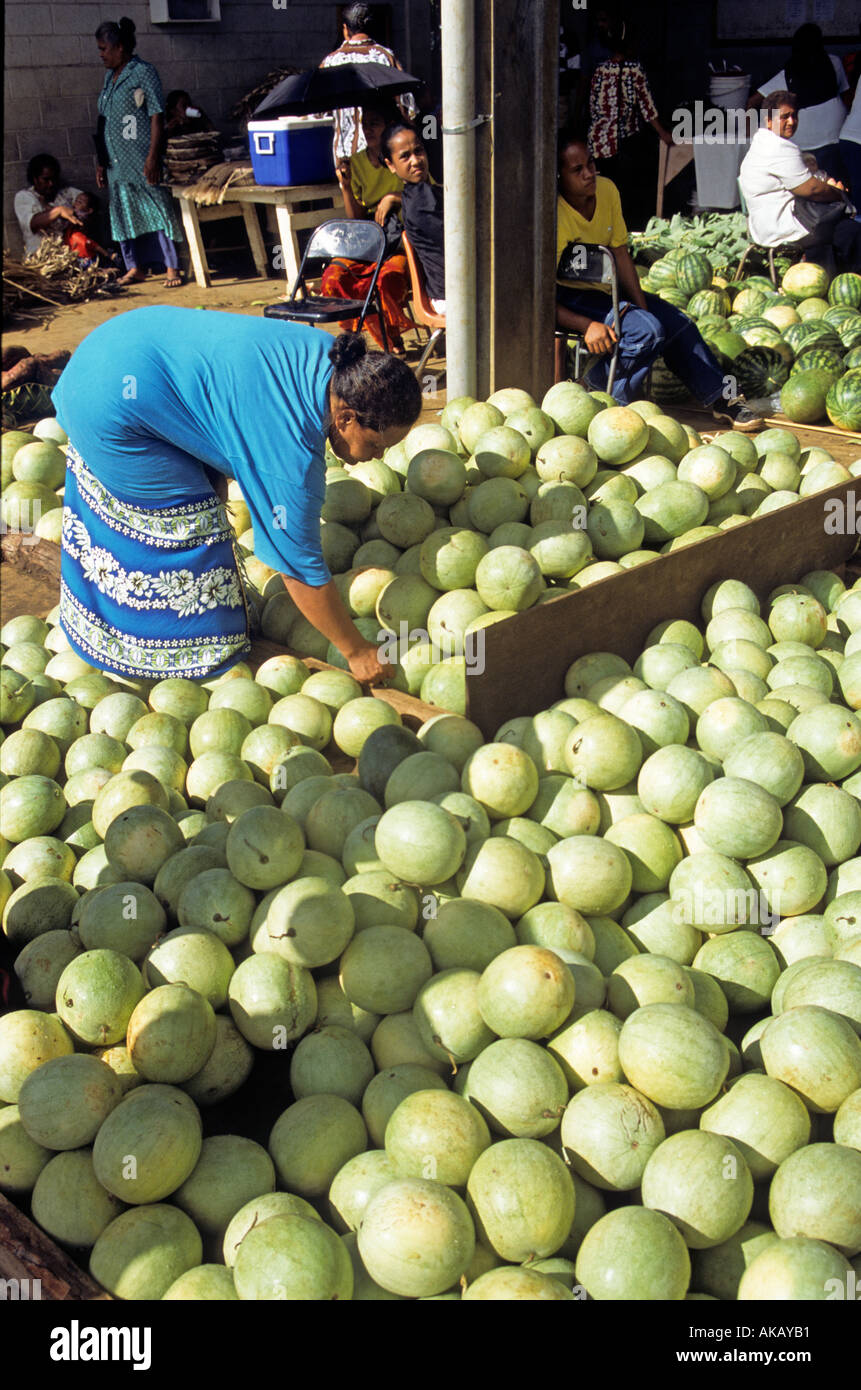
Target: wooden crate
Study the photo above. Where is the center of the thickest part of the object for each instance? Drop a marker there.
(34, 1268)
(526, 657)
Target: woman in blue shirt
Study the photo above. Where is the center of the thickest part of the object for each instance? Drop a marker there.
(131, 111)
(154, 400)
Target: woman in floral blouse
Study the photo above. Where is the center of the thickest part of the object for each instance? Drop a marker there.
(621, 104)
(162, 405)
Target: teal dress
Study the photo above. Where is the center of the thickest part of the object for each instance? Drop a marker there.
(143, 219)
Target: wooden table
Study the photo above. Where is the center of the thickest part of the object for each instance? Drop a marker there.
(292, 215)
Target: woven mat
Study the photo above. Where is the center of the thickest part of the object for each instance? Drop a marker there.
(211, 186)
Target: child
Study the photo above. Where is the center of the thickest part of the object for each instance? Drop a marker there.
(421, 205)
(86, 209)
(181, 118)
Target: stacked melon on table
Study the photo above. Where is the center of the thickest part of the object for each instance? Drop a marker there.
(802, 340)
(572, 1012)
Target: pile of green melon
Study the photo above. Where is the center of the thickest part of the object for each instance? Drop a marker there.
(572, 1013)
(803, 340)
(506, 504)
(33, 479)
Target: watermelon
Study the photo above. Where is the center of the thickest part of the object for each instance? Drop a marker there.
(846, 289)
(663, 273)
(820, 359)
(805, 281)
(803, 396)
(673, 296)
(767, 336)
(852, 358)
(749, 300)
(809, 332)
(707, 322)
(850, 333)
(741, 322)
(839, 313)
(760, 371)
(812, 308)
(726, 346)
(693, 272)
(666, 386)
(709, 302)
(843, 401)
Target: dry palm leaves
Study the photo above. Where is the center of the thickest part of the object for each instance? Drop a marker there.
(213, 184)
(52, 275)
(244, 109)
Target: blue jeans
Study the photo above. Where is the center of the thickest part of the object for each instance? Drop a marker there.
(659, 331)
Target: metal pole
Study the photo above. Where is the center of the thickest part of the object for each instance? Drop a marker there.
(458, 108)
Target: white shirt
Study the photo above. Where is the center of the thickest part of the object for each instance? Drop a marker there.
(28, 204)
(769, 171)
(851, 128)
(817, 125)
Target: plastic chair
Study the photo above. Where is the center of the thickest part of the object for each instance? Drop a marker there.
(422, 310)
(583, 261)
(342, 239)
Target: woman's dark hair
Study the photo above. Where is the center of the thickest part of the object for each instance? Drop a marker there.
(380, 388)
(386, 110)
(357, 19)
(121, 35)
(810, 73)
(392, 129)
(569, 135)
(40, 162)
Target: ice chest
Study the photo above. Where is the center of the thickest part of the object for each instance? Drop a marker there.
(291, 149)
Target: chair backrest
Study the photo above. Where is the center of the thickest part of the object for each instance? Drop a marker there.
(423, 311)
(351, 238)
(583, 260)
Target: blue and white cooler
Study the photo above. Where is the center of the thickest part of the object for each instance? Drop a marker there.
(289, 150)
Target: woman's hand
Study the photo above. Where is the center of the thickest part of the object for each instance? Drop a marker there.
(151, 168)
(600, 338)
(386, 205)
(342, 171)
(366, 666)
(65, 214)
(101, 177)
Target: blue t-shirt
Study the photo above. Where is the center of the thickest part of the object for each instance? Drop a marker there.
(155, 393)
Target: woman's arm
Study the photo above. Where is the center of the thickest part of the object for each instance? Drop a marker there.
(44, 220)
(662, 131)
(352, 206)
(152, 162)
(599, 337)
(323, 607)
(388, 204)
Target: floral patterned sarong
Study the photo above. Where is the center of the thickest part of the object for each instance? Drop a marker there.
(149, 592)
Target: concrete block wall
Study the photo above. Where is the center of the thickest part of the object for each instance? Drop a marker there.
(53, 74)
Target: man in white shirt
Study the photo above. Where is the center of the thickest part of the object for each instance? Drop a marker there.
(785, 201)
(818, 80)
(44, 207)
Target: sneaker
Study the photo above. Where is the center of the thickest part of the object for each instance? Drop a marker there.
(739, 415)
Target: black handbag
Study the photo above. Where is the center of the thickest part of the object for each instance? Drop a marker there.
(818, 217)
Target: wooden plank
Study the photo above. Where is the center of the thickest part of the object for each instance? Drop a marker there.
(27, 1254)
(255, 238)
(196, 248)
(526, 657)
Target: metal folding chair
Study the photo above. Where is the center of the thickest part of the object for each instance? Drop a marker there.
(585, 262)
(343, 239)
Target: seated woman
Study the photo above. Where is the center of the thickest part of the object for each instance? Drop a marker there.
(589, 210)
(46, 207)
(421, 205)
(370, 190)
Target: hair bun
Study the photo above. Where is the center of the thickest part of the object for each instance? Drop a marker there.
(347, 349)
(127, 26)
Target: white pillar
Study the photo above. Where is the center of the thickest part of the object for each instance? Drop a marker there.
(458, 113)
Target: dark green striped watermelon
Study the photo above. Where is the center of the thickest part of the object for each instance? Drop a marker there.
(840, 313)
(819, 359)
(713, 302)
(846, 289)
(802, 399)
(749, 301)
(663, 272)
(765, 336)
(757, 282)
(843, 402)
(799, 335)
(666, 386)
(674, 296)
(693, 272)
(708, 322)
(850, 333)
(760, 371)
(852, 358)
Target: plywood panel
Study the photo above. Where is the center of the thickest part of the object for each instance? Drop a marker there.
(525, 658)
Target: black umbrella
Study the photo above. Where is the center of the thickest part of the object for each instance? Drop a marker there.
(325, 89)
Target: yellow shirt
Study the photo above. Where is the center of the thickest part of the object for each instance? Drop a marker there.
(371, 184)
(606, 227)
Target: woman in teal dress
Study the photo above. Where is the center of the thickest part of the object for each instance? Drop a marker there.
(131, 118)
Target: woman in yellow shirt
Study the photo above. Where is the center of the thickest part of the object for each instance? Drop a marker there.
(370, 190)
(589, 210)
